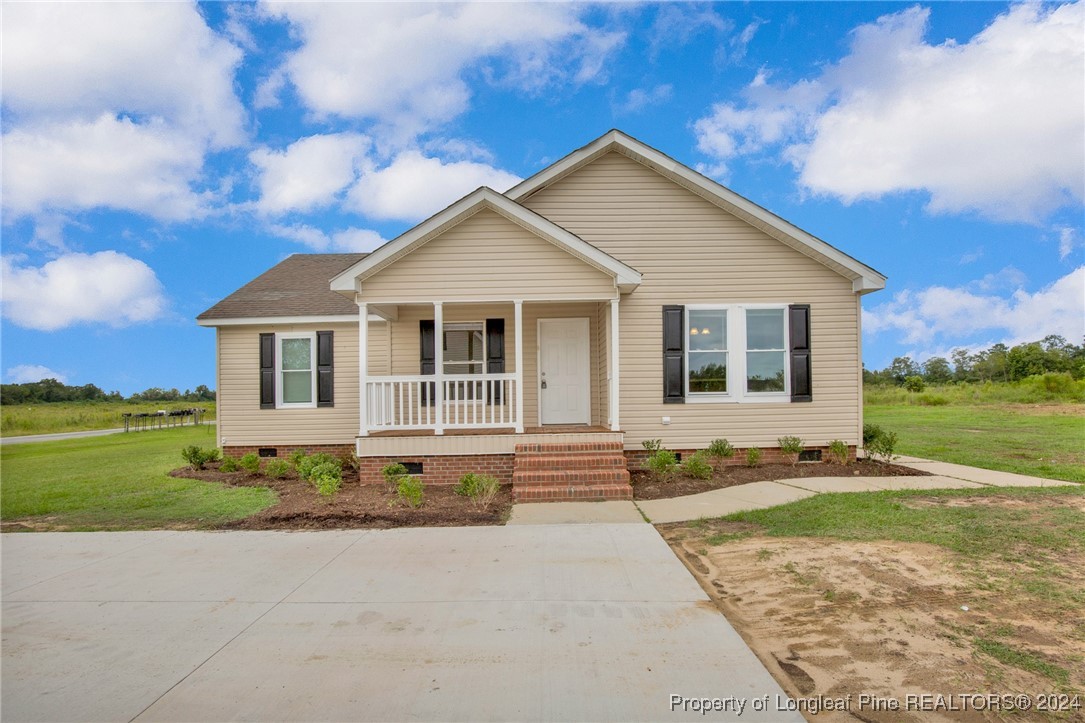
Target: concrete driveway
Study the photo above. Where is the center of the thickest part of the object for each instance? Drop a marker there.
(535, 622)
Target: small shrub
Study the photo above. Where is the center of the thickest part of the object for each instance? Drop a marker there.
(914, 383)
(306, 465)
(229, 464)
(663, 464)
(881, 447)
(276, 468)
(392, 473)
(327, 477)
(349, 460)
(697, 466)
(838, 451)
(870, 432)
(250, 463)
(480, 488)
(791, 447)
(410, 490)
(753, 456)
(197, 457)
(931, 400)
(296, 457)
(652, 445)
(720, 449)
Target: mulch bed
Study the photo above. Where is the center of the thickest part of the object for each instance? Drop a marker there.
(300, 507)
(647, 487)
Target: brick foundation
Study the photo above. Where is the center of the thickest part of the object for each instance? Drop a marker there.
(284, 450)
(442, 469)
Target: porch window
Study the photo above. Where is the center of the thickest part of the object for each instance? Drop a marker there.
(464, 347)
(296, 376)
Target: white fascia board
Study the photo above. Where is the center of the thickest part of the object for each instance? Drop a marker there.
(626, 277)
(732, 202)
(281, 320)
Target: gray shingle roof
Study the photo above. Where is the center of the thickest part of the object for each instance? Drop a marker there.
(297, 286)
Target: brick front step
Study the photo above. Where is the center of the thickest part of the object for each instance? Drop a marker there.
(570, 477)
(589, 460)
(570, 471)
(567, 447)
(577, 493)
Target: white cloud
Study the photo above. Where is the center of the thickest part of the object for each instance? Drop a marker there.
(992, 125)
(415, 186)
(405, 63)
(77, 165)
(115, 105)
(106, 287)
(640, 98)
(309, 172)
(951, 316)
(25, 373)
(1068, 240)
(350, 239)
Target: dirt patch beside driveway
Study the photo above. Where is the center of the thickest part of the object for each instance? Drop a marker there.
(888, 619)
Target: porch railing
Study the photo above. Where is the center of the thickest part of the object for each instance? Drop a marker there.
(450, 401)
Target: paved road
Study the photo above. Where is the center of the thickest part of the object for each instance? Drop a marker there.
(64, 435)
(531, 622)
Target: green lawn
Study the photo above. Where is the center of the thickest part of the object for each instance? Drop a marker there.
(21, 419)
(1044, 441)
(118, 482)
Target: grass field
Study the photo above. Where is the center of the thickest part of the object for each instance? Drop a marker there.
(20, 419)
(1040, 440)
(117, 482)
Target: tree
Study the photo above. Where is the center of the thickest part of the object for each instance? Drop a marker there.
(936, 370)
(963, 363)
(903, 367)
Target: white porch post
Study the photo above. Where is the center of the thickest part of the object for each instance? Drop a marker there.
(614, 366)
(363, 360)
(439, 365)
(518, 323)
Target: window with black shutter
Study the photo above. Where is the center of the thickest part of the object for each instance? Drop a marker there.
(799, 350)
(267, 371)
(325, 393)
(674, 373)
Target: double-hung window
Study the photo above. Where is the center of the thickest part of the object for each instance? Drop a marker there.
(736, 352)
(296, 373)
(465, 353)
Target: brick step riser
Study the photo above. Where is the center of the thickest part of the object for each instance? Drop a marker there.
(572, 448)
(557, 493)
(572, 478)
(582, 462)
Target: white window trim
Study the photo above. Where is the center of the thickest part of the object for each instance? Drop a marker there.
(736, 358)
(279, 403)
(466, 326)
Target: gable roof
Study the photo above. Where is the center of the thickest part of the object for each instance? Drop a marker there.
(626, 277)
(296, 286)
(864, 278)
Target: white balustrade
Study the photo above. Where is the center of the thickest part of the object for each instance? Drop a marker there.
(470, 401)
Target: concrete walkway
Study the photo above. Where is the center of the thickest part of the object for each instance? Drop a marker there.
(759, 495)
(58, 435)
(539, 622)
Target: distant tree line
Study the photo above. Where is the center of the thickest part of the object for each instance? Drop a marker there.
(998, 363)
(50, 390)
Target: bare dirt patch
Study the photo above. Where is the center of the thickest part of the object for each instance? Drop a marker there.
(300, 507)
(647, 487)
(833, 618)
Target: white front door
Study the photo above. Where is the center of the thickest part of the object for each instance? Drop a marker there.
(564, 372)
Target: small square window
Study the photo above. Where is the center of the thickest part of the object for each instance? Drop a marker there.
(268, 452)
(414, 467)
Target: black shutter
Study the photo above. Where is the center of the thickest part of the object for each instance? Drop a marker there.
(799, 348)
(428, 356)
(495, 354)
(325, 394)
(267, 371)
(674, 336)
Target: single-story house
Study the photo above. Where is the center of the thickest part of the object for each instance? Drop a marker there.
(543, 334)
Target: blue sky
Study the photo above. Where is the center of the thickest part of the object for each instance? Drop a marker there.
(157, 157)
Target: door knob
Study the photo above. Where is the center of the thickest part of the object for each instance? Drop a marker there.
(544, 384)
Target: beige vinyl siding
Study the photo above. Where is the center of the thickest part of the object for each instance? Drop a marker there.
(692, 252)
(487, 257)
(406, 352)
(242, 422)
